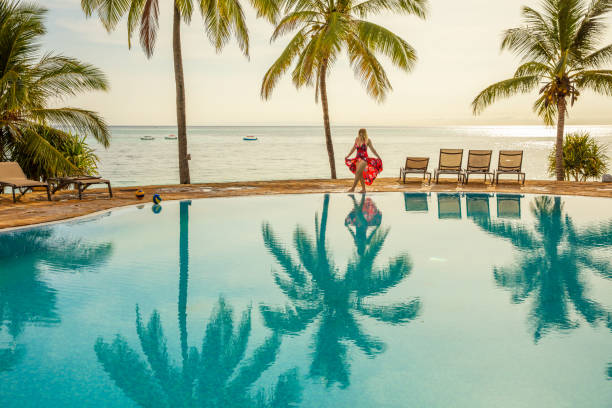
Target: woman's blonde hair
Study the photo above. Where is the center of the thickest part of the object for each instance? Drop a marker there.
(363, 135)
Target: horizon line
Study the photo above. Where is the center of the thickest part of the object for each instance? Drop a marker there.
(362, 125)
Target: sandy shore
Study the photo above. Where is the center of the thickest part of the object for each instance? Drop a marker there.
(33, 208)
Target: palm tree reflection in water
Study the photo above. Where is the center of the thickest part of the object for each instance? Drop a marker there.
(219, 375)
(25, 297)
(317, 290)
(554, 257)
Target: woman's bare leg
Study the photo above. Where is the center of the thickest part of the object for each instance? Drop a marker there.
(359, 175)
(363, 188)
(352, 189)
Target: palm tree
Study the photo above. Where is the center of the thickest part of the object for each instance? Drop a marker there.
(317, 290)
(221, 19)
(25, 297)
(324, 28)
(554, 258)
(29, 82)
(559, 55)
(217, 376)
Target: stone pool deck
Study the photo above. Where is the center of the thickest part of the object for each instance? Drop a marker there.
(34, 208)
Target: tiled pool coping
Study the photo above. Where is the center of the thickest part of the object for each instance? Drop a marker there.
(34, 209)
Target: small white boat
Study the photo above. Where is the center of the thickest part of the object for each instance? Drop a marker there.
(171, 137)
(250, 138)
(147, 137)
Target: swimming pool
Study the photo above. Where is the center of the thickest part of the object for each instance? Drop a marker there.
(392, 300)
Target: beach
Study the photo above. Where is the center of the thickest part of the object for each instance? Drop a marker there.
(219, 154)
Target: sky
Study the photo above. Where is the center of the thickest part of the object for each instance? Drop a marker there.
(458, 48)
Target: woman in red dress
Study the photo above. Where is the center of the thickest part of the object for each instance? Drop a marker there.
(365, 168)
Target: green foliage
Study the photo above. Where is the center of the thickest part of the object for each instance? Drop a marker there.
(73, 148)
(222, 18)
(559, 50)
(80, 154)
(583, 157)
(30, 131)
(324, 29)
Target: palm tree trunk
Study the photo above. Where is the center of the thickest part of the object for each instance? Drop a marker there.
(180, 99)
(328, 139)
(559, 168)
(324, 219)
(183, 276)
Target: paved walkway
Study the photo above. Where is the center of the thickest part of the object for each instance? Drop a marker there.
(33, 208)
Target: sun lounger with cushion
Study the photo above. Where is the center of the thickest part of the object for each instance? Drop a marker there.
(81, 183)
(450, 163)
(479, 162)
(416, 165)
(11, 175)
(510, 162)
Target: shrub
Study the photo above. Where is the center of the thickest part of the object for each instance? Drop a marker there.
(73, 148)
(583, 157)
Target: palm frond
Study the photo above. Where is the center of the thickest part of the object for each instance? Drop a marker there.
(380, 39)
(268, 9)
(330, 39)
(307, 64)
(59, 76)
(591, 27)
(542, 26)
(530, 46)
(134, 18)
(282, 64)
(110, 12)
(546, 110)
(216, 23)
(149, 24)
(504, 89)
(292, 20)
(418, 8)
(239, 26)
(599, 57)
(185, 8)
(89, 6)
(80, 120)
(532, 68)
(33, 147)
(368, 69)
(569, 14)
(599, 81)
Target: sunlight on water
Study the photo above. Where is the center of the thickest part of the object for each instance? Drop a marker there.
(220, 154)
(394, 300)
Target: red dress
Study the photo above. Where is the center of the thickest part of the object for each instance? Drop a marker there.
(365, 215)
(373, 166)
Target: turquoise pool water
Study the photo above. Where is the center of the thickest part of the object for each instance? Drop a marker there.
(395, 300)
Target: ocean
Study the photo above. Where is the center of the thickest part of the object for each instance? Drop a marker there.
(219, 154)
